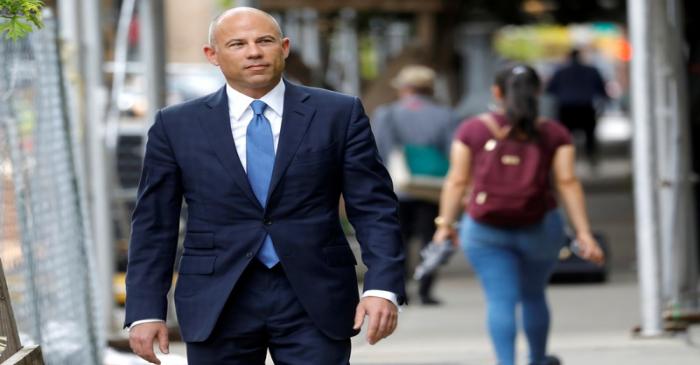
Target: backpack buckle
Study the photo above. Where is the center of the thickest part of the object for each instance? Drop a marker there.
(490, 145)
(510, 160)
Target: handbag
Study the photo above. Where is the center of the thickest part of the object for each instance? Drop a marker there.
(398, 169)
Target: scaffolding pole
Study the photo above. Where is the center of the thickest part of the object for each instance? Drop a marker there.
(684, 227)
(153, 52)
(95, 100)
(644, 166)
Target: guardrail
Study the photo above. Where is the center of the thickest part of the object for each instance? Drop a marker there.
(11, 350)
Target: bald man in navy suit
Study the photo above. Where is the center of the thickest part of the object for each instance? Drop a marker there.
(262, 164)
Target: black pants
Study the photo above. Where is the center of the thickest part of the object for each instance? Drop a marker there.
(416, 219)
(583, 118)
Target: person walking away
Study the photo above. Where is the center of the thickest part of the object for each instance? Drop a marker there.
(576, 87)
(512, 231)
(417, 125)
(261, 164)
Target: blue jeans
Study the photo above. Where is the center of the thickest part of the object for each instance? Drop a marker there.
(514, 266)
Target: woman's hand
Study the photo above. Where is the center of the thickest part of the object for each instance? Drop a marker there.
(446, 233)
(589, 249)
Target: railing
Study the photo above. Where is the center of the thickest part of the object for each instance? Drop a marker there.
(11, 350)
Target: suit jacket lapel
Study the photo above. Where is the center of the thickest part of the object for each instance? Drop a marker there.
(295, 122)
(217, 125)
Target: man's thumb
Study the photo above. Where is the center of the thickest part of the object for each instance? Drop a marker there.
(163, 340)
(359, 317)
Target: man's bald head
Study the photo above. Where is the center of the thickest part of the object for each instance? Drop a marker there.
(247, 45)
(237, 11)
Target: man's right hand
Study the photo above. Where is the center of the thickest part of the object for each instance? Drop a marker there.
(143, 335)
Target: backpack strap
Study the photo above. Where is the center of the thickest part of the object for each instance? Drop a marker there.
(497, 131)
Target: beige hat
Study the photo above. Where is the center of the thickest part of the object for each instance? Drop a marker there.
(414, 76)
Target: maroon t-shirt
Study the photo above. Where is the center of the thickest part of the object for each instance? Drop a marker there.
(474, 134)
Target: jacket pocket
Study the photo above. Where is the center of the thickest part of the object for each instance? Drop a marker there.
(197, 265)
(199, 240)
(339, 256)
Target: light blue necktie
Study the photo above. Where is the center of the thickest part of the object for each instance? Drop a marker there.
(260, 156)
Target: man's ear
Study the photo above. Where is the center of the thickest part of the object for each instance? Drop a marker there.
(285, 47)
(210, 53)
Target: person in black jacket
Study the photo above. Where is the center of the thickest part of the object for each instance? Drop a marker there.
(576, 87)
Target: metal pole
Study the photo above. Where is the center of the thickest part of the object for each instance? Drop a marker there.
(643, 156)
(95, 102)
(350, 63)
(311, 44)
(685, 225)
(68, 18)
(292, 26)
(70, 36)
(475, 48)
(152, 45)
(664, 127)
(310, 38)
(152, 37)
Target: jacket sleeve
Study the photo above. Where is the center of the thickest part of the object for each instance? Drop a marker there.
(154, 232)
(372, 207)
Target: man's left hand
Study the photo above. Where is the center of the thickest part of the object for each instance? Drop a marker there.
(383, 318)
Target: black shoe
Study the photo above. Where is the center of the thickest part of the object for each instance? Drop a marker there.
(551, 360)
(430, 301)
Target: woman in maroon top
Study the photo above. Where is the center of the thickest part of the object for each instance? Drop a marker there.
(513, 254)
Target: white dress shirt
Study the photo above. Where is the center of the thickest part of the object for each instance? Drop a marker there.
(241, 114)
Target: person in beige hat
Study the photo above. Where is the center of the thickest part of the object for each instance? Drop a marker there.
(415, 79)
(416, 122)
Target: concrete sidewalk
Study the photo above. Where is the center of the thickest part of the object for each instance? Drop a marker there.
(591, 324)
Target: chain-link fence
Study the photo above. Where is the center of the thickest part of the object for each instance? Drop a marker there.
(44, 243)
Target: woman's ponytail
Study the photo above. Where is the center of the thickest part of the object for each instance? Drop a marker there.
(520, 87)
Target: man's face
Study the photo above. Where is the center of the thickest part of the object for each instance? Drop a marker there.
(250, 52)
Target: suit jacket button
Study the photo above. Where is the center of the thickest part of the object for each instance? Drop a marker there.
(267, 221)
(249, 254)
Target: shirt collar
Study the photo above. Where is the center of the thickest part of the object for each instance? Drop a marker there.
(238, 102)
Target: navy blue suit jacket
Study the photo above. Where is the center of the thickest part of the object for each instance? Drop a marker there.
(325, 149)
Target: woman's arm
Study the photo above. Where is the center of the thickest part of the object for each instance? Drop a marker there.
(571, 193)
(453, 191)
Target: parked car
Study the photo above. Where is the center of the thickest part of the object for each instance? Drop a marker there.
(183, 82)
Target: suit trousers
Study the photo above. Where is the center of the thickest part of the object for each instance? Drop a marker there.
(261, 314)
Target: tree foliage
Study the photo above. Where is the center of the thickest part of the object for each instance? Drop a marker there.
(18, 16)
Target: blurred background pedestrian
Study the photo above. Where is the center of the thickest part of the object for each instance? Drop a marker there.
(421, 129)
(578, 88)
(512, 232)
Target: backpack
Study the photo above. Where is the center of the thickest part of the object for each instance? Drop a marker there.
(510, 180)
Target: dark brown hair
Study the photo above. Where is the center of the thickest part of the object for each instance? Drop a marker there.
(520, 86)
